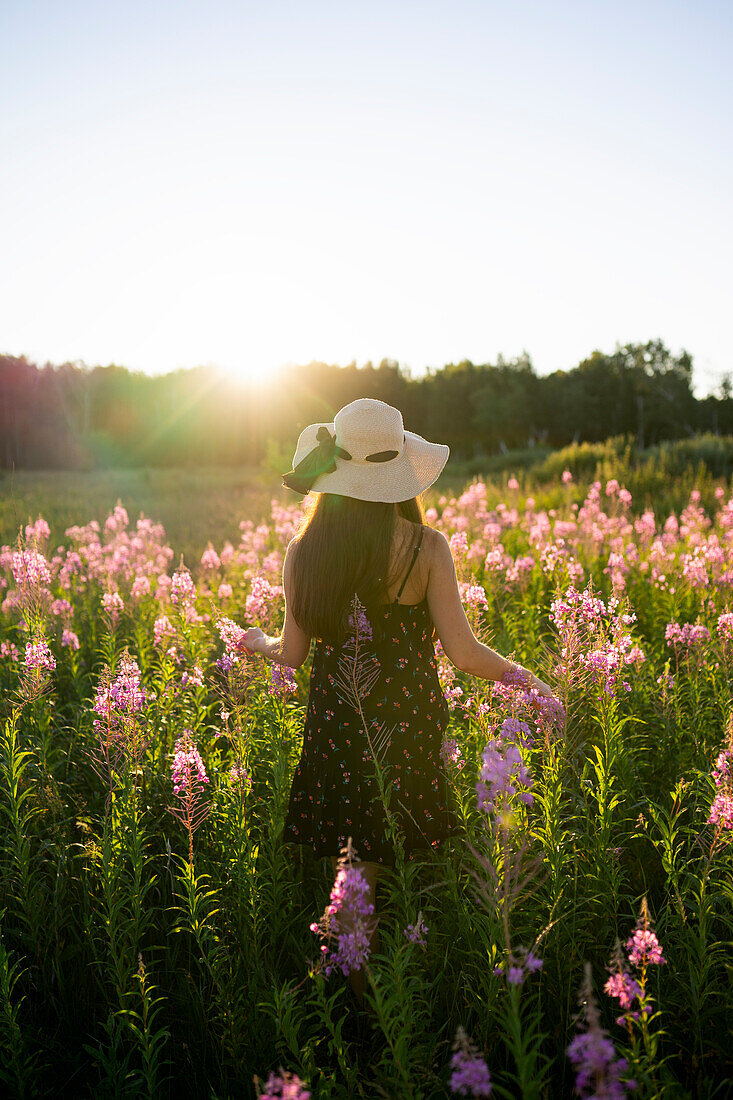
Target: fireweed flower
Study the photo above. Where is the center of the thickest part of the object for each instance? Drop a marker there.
(120, 703)
(595, 638)
(598, 1070)
(258, 604)
(513, 729)
(188, 776)
(140, 587)
(238, 779)
(282, 680)
(725, 627)
(470, 1076)
(62, 609)
(689, 637)
(188, 768)
(162, 630)
(69, 638)
(182, 590)
(518, 967)
(232, 636)
(721, 811)
(38, 657)
(210, 559)
(348, 918)
(30, 569)
(192, 678)
(359, 624)
(644, 948)
(451, 753)
(502, 774)
(9, 651)
(283, 1086)
(112, 605)
(473, 596)
(459, 543)
(38, 531)
(122, 697)
(417, 932)
(623, 987)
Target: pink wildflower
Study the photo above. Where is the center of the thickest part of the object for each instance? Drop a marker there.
(283, 1086)
(189, 778)
(188, 767)
(725, 626)
(473, 595)
(359, 625)
(502, 773)
(623, 987)
(162, 629)
(63, 609)
(598, 1070)
(30, 569)
(518, 967)
(39, 656)
(470, 1076)
(113, 605)
(238, 778)
(36, 532)
(140, 587)
(282, 680)
(417, 932)
(348, 918)
(451, 752)
(192, 678)
(210, 559)
(182, 590)
(644, 948)
(459, 543)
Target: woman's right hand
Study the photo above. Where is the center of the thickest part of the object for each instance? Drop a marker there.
(543, 688)
(252, 639)
(535, 683)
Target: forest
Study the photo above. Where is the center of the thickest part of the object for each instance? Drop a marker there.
(70, 416)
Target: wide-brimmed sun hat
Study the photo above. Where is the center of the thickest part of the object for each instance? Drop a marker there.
(365, 453)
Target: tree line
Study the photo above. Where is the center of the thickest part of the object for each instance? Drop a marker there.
(70, 416)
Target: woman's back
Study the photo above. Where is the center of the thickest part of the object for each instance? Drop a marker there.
(398, 714)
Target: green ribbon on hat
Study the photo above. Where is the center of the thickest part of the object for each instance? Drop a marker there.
(321, 460)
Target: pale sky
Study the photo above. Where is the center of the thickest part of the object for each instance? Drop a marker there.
(249, 184)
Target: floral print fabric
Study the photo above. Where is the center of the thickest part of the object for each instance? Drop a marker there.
(335, 793)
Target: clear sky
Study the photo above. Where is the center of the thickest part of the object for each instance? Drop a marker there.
(249, 184)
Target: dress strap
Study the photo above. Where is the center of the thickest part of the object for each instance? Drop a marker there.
(414, 559)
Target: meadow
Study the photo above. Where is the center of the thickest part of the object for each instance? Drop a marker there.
(158, 939)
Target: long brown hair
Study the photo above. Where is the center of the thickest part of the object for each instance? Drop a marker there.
(343, 546)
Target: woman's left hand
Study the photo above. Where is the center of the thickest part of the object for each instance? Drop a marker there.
(253, 638)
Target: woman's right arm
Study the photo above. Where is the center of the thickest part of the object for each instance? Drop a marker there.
(460, 644)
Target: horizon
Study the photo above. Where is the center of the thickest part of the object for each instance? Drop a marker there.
(244, 189)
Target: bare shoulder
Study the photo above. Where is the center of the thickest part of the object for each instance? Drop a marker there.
(436, 545)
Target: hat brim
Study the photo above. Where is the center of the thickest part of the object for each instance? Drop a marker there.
(401, 478)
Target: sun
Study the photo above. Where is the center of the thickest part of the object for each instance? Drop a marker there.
(253, 372)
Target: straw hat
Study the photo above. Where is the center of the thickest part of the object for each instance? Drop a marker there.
(365, 453)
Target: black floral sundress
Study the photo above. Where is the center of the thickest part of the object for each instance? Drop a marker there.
(335, 793)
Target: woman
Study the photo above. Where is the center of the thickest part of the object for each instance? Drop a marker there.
(364, 535)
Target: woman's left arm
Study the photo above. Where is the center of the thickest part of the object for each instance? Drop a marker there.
(292, 646)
